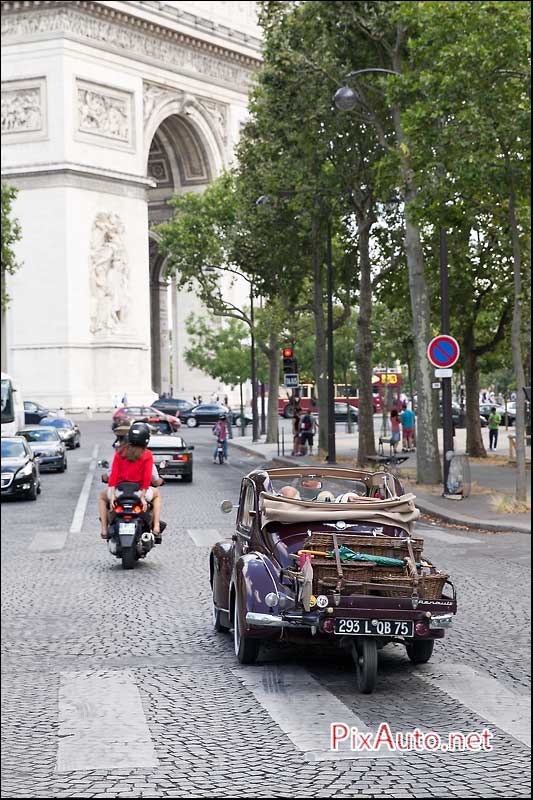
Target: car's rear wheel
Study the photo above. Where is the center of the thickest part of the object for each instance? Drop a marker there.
(246, 648)
(419, 652)
(288, 412)
(192, 422)
(365, 656)
(186, 478)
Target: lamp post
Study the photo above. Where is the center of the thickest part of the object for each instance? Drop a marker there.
(318, 198)
(346, 99)
(253, 368)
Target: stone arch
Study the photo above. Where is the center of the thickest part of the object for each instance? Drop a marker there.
(184, 151)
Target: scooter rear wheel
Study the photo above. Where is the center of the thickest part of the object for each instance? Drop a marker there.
(128, 558)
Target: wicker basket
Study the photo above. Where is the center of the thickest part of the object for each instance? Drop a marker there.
(429, 586)
(325, 575)
(388, 546)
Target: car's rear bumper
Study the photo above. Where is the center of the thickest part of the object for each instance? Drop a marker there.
(50, 462)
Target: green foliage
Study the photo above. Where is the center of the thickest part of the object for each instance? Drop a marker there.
(222, 351)
(11, 234)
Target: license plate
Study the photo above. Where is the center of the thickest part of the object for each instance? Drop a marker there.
(378, 627)
(125, 527)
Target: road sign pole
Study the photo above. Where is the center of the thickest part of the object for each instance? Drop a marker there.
(446, 382)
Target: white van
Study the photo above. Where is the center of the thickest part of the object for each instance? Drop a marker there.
(12, 406)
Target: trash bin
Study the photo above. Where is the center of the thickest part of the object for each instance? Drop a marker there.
(458, 483)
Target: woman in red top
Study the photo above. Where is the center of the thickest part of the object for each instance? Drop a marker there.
(133, 462)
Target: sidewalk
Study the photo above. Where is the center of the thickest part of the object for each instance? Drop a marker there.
(489, 480)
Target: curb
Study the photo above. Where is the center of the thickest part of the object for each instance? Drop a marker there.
(425, 508)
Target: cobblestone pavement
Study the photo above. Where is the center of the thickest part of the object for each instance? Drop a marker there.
(73, 614)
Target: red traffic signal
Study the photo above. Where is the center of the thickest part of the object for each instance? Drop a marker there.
(287, 352)
(289, 362)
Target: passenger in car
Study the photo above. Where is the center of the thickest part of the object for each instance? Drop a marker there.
(291, 492)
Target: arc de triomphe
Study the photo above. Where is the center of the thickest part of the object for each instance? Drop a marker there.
(109, 108)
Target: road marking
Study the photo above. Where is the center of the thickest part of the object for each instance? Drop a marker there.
(304, 709)
(44, 541)
(83, 499)
(485, 696)
(446, 538)
(205, 537)
(102, 723)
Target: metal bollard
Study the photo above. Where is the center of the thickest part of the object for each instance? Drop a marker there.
(282, 442)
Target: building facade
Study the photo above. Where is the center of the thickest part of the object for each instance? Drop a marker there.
(108, 109)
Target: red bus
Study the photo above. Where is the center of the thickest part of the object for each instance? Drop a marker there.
(381, 381)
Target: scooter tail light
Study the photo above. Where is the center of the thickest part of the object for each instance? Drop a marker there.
(137, 509)
(119, 509)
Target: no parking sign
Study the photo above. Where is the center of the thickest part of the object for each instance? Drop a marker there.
(443, 351)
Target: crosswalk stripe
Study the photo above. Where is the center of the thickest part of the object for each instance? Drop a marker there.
(304, 710)
(447, 538)
(205, 537)
(484, 695)
(45, 541)
(102, 723)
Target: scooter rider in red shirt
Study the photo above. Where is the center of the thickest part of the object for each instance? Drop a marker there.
(133, 462)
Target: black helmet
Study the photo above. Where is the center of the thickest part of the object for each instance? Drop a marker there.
(139, 434)
(222, 416)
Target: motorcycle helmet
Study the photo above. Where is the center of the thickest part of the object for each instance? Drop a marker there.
(222, 416)
(139, 434)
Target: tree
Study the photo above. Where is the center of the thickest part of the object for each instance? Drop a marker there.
(11, 233)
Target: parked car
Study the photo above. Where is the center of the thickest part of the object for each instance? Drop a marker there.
(143, 413)
(47, 447)
(21, 476)
(342, 410)
(174, 454)
(158, 425)
(456, 417)
(34, 412)
(68, 430)
(169, 405)
(209, 413)
(484, 410)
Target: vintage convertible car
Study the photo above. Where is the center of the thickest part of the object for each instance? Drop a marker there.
(327, 552)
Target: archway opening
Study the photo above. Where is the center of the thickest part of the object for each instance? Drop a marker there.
(178, 163)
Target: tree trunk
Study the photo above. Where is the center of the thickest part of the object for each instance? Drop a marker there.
(363, 348)
(518, 364)
(274, 358)
(320, 344)
(427, 448)
(474, 437)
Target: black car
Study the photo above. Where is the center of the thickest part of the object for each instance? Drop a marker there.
(169, 405)
(174, 454)
(34, 412)
(206, 414)
(47, 447)
(456, 417)
(67, 429)
(20, 469)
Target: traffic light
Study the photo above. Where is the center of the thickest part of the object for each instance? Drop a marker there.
(289, 362)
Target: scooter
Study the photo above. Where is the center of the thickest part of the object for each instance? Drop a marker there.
(129, 534)
(220, 452)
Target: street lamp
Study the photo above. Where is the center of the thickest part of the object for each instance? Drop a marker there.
(346, 99)
(318, 194)
(250, 322)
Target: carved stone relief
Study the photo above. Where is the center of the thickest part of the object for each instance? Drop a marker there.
(219, 114)
(109, 274)
(173, 51)
(155, 96)
(23, 109)
(104, 112)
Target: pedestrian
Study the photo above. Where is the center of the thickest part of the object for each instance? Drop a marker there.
(494, 426)
(199, 399)
(307, 432)
(226, 401)
(194, 400)
(407, 419)
(124, 400)
(229, 419)
(395, 429)
(296, 431)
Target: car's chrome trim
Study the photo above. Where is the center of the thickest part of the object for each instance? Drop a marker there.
(441, 621)
(275, 621)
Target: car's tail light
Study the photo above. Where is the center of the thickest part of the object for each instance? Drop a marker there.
(180, 458)
(119, 509)
(421, 628)
(137, 509)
